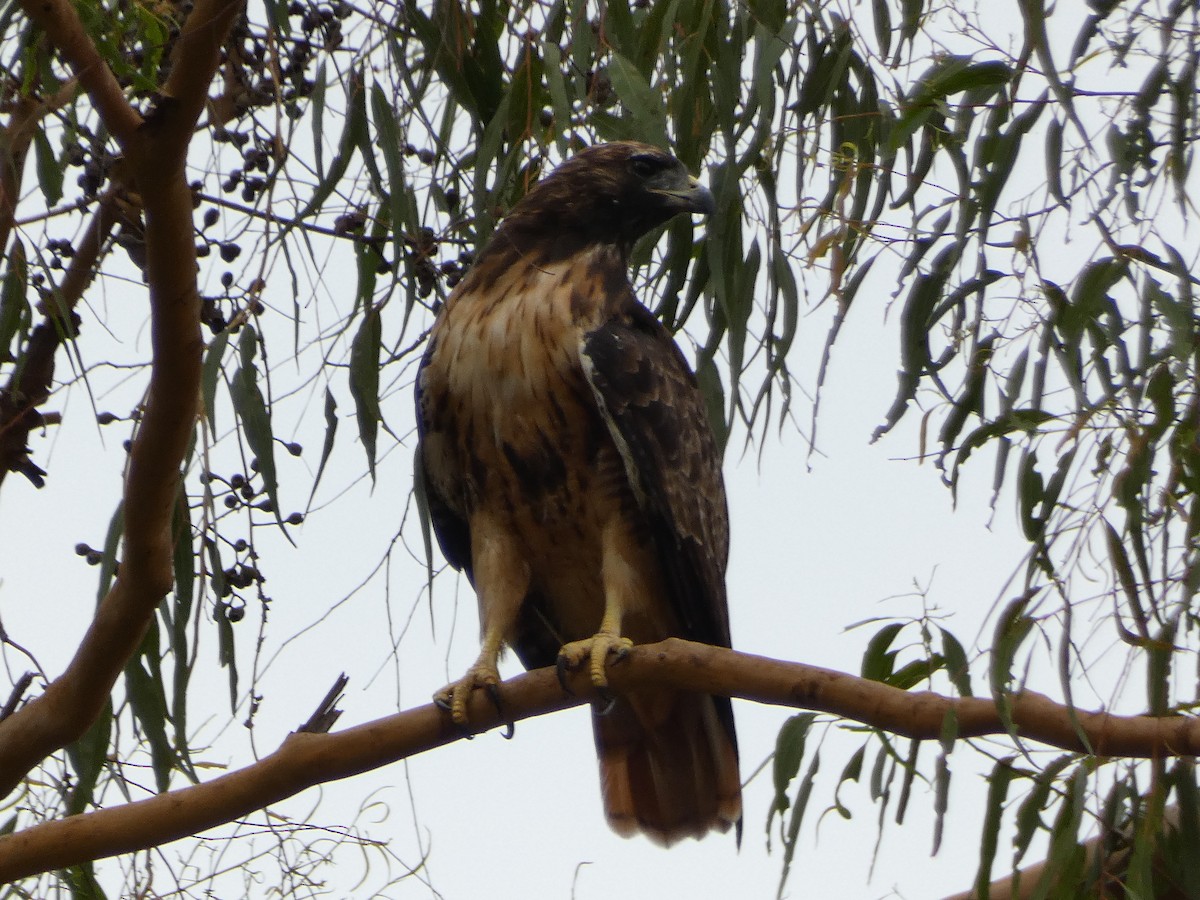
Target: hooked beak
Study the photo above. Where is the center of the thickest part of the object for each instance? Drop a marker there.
(689, 196)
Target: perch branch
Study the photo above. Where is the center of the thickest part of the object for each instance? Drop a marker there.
(306, 759)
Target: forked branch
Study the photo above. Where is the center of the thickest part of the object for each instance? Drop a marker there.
(156, 148)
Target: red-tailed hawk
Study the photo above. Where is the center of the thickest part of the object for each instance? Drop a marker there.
(572, 473)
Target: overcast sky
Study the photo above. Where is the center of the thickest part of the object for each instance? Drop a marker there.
(813, 551)
(818, 542)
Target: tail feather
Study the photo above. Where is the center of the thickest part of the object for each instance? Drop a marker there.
(668, 766)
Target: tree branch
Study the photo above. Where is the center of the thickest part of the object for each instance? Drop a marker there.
(157, 153)
(307, 759)
(29, 385)
(1026, 883)
(60, 21)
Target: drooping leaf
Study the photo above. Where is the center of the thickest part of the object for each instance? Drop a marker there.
(49, 170)
(1013, 626)
(851, 772)
(957, 666)
(645, 108)
(998, 783)
(213, 358)
(147, 697)
(364, 381)
(799, 807)
(355, 135)
(252, 412)
(88, 756)
(879, 658)
(15, 314)
(331, 424)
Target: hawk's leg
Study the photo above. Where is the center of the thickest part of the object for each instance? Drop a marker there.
(623, 584)
(501, 582)
(596, 650)
(482, 674)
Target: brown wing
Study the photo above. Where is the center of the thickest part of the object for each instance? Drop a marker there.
(453, 534)
(656, 415)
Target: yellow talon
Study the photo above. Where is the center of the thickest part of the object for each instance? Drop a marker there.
(596, 649)
(454, 696)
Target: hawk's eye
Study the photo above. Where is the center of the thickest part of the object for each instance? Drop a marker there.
(645, 165)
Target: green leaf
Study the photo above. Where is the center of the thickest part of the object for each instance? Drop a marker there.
(1054, 146)
(331, 424)
(49, 170)
(645, 108)
(525, 91)
(941, 783)
(713, 390)
(1029, 814)
(147, 697)
(789, 752)
(915, 323)
(364, 381)
(882, 19)
(1186, 834)
(88, 756)
(213, 358)
(851, 772)
(916, 672)
(180, 619)
(798, 810)
(81, 879)
(108, 561)
(879, 783)
(957, 668)
(1089, 296)
(355, 135)
(560, 102)
(1031, 493)
(252, 411)
(878, 659)
(15, 314)
(910, 773)
(390, 142)
(317, 105)
(226, 645)
(1001, 777)
(1013, 626)
(1065, 859)
(948, 75)
(1026, 421)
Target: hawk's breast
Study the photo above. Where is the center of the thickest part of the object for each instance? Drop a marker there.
(512, 427)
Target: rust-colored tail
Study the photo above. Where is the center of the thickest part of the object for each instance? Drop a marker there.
(669, 766)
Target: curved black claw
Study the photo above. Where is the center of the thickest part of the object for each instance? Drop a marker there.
(607, 699)
(562, 675)
(444, 704)
(510, 727)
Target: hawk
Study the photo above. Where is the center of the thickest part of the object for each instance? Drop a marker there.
(572, 473)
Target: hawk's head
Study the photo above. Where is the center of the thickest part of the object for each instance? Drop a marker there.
(607, 194)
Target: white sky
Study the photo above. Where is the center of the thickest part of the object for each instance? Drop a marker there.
(813, 551)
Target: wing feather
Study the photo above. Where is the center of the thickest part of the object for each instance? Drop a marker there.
(452, 531)
(655, 413)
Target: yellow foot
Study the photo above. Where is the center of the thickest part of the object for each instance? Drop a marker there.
(453, 697)
(596, 650)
